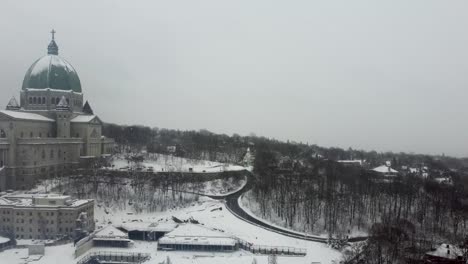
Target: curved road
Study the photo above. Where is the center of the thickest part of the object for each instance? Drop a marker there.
(232, 204)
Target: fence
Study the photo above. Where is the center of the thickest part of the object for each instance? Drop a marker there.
(268, 250)
(114, 257)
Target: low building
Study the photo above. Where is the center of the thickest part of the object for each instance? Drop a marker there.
(386, 171)
(192, 237)
(147, 231)
(44, 216)
(110, 236)
(445, 253)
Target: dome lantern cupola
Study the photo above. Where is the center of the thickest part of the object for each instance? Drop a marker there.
(52, 49)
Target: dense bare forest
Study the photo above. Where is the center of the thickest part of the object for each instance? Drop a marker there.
(207, 145)
(323, 196)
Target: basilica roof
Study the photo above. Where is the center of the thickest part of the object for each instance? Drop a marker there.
(19, 115)
(52, 71)
(86, 119)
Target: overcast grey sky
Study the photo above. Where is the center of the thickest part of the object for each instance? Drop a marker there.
(383, 75)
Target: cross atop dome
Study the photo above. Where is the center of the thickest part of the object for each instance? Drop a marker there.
(52, 49)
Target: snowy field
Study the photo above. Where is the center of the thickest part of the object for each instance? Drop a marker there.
(161, 162)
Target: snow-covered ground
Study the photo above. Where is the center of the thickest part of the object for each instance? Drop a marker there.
(252, 208)
(245, 205)
(203, 212)
(161, 162)
(64, 255)
(221, 219)
(221, 187)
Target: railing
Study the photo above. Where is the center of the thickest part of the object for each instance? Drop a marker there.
(268, 250)
(115, 257)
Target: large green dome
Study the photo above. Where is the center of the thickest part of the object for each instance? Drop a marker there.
(51, 71)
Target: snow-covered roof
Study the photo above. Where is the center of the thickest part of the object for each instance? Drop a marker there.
(352, 161)
(193, 234)
(110, 232)
(83, 119)
(4, 240)
(384, 169)
(4, 201)
(19, 115)
(193, 240)
(149, 227)
(51, 89)
(446, 251)
(40, 200)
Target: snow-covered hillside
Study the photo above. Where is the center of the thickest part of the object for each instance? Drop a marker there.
(160, 162)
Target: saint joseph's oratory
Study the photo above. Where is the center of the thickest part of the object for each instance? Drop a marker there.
(50, 131)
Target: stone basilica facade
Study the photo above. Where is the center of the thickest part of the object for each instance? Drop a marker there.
(50, 130)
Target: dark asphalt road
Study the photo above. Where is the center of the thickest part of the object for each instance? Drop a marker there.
(233, 206)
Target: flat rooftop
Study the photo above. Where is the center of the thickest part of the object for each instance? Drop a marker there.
(192, 234)
(18, 199)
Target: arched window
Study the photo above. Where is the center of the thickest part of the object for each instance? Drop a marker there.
(34, 100)
(51, 154)
(31, 134)
(30, 100)
(2, 133)
(43, 154)
(43, 100)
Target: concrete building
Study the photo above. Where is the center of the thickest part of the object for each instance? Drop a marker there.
(50, 131)
(44, 216)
